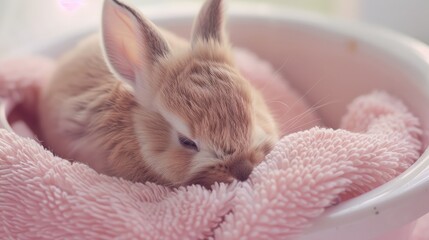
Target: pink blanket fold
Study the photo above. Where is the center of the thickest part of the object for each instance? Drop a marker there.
(46, 197)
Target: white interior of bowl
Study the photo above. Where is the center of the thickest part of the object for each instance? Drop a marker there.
(3, 119)
(331, 62)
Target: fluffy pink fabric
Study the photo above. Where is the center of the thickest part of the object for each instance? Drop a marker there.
(46, 197)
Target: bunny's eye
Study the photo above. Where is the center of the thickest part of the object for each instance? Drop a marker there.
(188, 143)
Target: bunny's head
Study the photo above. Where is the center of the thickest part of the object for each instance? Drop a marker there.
(199, 121)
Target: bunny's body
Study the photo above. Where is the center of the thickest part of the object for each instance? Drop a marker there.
(148, 106)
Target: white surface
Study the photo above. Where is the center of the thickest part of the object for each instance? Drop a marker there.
(23, 21)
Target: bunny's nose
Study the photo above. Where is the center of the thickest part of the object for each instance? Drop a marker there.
(241, 170)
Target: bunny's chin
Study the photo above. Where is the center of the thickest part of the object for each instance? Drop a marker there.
(208, 178)
(207, 181)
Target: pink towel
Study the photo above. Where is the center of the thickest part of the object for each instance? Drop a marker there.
(46, 197)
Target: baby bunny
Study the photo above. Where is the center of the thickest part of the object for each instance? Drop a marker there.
(142, 104)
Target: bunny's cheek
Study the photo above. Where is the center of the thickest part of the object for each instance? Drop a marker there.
(176, 163)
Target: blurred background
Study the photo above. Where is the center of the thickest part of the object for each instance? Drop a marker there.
(24, 22)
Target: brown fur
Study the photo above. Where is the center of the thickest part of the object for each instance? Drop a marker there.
(209, 23)
(129, 129)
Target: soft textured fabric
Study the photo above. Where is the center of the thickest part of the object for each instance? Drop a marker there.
(46, 197)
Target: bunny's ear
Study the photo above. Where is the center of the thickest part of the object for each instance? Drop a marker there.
(131, 43)
(209, 25)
